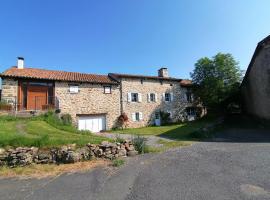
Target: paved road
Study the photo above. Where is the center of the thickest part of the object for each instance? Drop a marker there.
(236, 165)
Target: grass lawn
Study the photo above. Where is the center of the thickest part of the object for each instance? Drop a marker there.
(181, 132)
(27, 132)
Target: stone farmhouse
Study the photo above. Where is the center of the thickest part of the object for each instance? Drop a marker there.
(96, 101)
(255, 87)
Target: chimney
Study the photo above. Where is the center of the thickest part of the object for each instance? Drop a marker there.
(20, 63)
(163, 72)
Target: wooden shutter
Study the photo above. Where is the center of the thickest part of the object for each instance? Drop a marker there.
(163, 96)
(171, 96)
(140, 116)
(133, 116)
(129, 97)
(148, 97)
(139, 97)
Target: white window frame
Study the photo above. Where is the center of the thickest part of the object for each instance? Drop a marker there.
(106, 88)
(137, 116)
(154, 97)
(169, 96)
(73, 89)
(138, 98)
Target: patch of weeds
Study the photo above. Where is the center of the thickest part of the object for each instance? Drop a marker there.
(118, 162)
(140, 144)
(168, 145)
(118, 139)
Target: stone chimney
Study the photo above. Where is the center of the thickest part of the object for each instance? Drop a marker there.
(163, 72)
(20, 63)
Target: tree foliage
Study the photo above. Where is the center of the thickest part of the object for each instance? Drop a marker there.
(216, 79)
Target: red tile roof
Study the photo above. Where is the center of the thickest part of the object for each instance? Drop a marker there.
(186, 82)
(56, 75)
(117, 76)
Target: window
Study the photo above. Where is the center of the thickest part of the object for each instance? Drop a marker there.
(167, 97)
(134, 97)
(189, 97)
(107, 90)
(191, 111)
(73, 89)
(137, 116)
(152, 97)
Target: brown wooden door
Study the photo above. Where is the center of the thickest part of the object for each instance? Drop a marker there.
(37, 96)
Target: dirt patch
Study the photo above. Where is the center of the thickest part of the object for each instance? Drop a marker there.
(253, 190)
(21, 128)
(50, 170)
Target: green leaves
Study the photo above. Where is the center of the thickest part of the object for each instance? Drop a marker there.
(216, 79)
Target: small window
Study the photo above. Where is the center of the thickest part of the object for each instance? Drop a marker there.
(107, 90)
(73, 89)
(137, 116)
(189, 97)
(134, 97)
(152, 97)
(167, 97)
(191, 111)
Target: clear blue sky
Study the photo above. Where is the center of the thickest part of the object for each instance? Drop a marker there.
(129, 36)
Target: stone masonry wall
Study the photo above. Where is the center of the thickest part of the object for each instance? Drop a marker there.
(256, 89)
(22, 156)
(90, 100)
(148, 109)
(9, 90)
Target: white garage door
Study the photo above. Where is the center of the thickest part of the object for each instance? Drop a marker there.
(92, 123)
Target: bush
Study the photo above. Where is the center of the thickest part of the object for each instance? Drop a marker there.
(122, 120)
(165, 118)
(66, 119)
(5, 106)
(140, 144)
(119, 139)
(118, 162)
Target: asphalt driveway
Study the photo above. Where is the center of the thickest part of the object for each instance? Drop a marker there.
(235, 165)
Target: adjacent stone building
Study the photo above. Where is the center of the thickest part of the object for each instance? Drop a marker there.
(144, 97)
(96, 101)
(255, 87)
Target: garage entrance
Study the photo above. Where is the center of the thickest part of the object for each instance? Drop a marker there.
(93, 123)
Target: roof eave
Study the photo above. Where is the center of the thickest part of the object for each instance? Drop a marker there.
(48, 79)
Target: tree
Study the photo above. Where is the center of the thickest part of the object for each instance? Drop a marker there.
(216, 79)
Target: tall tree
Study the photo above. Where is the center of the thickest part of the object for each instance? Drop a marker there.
(216, 79)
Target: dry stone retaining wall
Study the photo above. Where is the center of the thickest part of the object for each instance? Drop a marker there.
(23, 156)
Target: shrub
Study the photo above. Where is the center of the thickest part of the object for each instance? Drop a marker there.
(119, 139)
(122, 120)
(5, 106)
(66, 119)
(140, 144)
(165, 118)
(118, 162)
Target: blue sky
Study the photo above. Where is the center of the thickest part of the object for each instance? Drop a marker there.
(129, 36)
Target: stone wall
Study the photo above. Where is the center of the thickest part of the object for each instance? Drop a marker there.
(256, 88)
(23, 156)
(90, 100)
(9, 90)
(148, 109)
